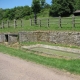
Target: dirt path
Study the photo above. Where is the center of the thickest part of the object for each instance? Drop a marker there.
(12, 68)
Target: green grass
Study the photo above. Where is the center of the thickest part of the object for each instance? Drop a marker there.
(44, 20)
(72, 66)
(58, 53)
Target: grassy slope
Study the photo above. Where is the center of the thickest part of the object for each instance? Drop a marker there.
(72, 66)
(53, 27)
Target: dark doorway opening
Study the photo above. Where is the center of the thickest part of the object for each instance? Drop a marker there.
(6, 38)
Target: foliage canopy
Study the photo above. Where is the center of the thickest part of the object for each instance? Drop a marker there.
(57, 8)
(62, 7)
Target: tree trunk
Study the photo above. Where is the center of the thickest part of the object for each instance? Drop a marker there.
(35, 18)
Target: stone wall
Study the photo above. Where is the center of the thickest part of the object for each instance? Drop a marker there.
(9, 37)
(71, 38)
(27, 36)
(1, 38)
(12, 38)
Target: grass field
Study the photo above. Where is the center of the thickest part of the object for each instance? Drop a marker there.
(53, 25)
(72, 66)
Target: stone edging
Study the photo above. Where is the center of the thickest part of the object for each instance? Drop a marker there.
(77, 51)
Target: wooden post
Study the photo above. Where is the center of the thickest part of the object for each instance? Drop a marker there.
(60, 22)
(21, 23)
(14, 23)
(30, 22)
(8, 23)
(48, 23)
(40, 23)
(2, 24)
(73, 21)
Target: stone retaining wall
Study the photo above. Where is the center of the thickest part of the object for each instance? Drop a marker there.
(12, 38)
(1, 38)
(70, 38)
(27, 36)
(9, 37)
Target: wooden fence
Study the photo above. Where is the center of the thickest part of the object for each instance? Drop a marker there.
(43, 22)
(57, 21)
(9, 23)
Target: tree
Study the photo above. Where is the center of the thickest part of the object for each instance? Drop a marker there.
(77, 5)
(71, 5)
(42, 3)
(11, 14)
(61, 7)
(21, 12)
(36, 8)
(47, 6)
(37, 5)
(1, 13)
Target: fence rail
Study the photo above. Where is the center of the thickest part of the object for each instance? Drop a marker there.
(59, 21)
(14, 23)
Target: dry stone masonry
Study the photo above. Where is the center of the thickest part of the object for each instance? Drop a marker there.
(70, 38)
(9, 37)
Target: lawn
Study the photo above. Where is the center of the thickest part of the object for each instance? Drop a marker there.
(72, 66)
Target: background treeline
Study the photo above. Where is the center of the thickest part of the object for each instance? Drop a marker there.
(15, 13)
(64, 7)
(41, 8)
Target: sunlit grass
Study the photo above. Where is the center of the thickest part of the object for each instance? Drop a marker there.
(72, 66)
(53, 25)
